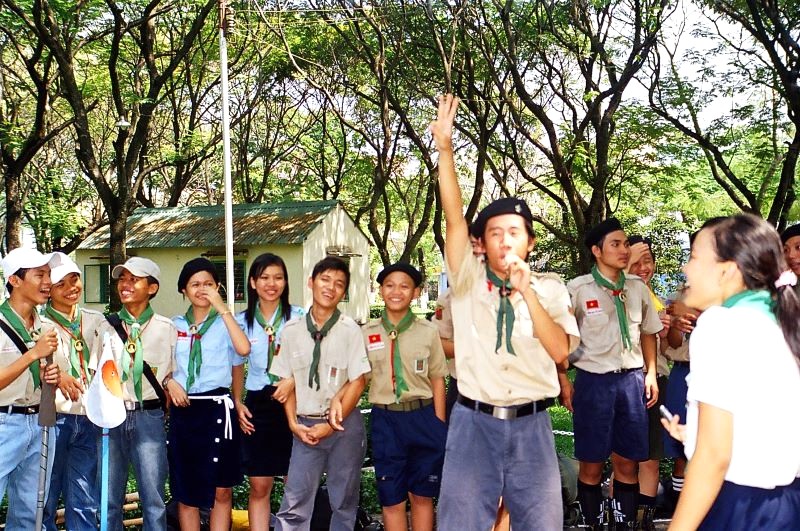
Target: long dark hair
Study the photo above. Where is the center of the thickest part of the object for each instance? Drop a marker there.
(755, 246)
(258, 266)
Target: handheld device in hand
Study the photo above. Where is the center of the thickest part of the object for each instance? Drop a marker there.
(665, 413)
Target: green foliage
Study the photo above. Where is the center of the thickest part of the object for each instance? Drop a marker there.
(52, 207)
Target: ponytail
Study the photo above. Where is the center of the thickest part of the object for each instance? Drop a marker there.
(787, 310)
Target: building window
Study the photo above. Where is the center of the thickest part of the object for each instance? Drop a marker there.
(97, 283)
(239, 278)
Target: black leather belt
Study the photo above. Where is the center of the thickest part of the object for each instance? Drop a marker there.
(410, 405)
(507, 412)
(147, 404)
(20, 410)
(321, 416)
(680, 363)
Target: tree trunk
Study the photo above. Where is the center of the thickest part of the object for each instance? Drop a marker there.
(117, 253)
(13, 210)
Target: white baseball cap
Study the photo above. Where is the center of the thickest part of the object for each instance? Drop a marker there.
(64, 267)
(138, 267)
(26, 258)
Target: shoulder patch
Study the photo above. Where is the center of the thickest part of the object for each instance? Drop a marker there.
(427, 324)
(547, 276)
(372, 323)
(580, 281)
(164, 319)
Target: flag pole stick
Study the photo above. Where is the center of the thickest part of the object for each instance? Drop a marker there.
(230, 287)
(104, 482)
(47, 419)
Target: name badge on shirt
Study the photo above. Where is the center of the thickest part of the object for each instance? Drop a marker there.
(593, 307)
(374, 342)
(334, 374)
(419, 366)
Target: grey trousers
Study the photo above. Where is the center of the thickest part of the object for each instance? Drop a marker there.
(340, 456)
(487, 458)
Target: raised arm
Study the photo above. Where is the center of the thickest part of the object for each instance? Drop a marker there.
(457, 235)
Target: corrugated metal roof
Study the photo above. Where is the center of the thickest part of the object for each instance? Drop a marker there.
(203, 226)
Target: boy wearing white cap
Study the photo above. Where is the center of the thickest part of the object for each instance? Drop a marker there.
(144, 346)
(75, 467)
(27, 276)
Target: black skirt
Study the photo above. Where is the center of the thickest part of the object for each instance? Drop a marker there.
(266, 451)
(201, 456)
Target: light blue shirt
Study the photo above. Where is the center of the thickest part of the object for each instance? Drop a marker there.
(218, 356)
(257, 375)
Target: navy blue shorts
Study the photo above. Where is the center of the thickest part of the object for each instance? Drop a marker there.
(610, 416)
(740, 508)
(676, 403)
(408, 452)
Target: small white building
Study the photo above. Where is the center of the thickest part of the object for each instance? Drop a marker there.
(302, 233)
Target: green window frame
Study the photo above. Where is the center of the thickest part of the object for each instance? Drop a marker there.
(239, 278)
(97, 283)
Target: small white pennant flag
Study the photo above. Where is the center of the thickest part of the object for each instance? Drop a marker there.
(104, 404)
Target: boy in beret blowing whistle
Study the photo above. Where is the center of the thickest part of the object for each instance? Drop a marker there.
(512, 327)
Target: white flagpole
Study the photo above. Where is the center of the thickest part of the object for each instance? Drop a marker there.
(230, 288)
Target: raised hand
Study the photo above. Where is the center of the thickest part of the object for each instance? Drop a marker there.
(442, 127)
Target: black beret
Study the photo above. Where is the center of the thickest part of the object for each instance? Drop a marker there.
(406, 268)
(790, 232)
(599, 231)
(504, 205)
(195, 266)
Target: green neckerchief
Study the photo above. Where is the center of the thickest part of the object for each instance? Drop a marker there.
(619, 302)
(196, 348)
(28, 337)
(760, 300)
(78, 353)
(398, 380)
(134, 347)
(318, 336)
(271, 330)
(505, 312)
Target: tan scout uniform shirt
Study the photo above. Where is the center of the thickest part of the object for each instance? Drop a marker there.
(662, 364)
(20, 392)
(500, 378)
(90, 322)
(443, 319)
(601, 343)
(420, 351)
(682, 352)
(159, 337)
(342, 359)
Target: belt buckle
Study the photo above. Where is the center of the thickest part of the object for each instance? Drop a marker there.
(30, 410)
(130, 406)
(504, 413)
